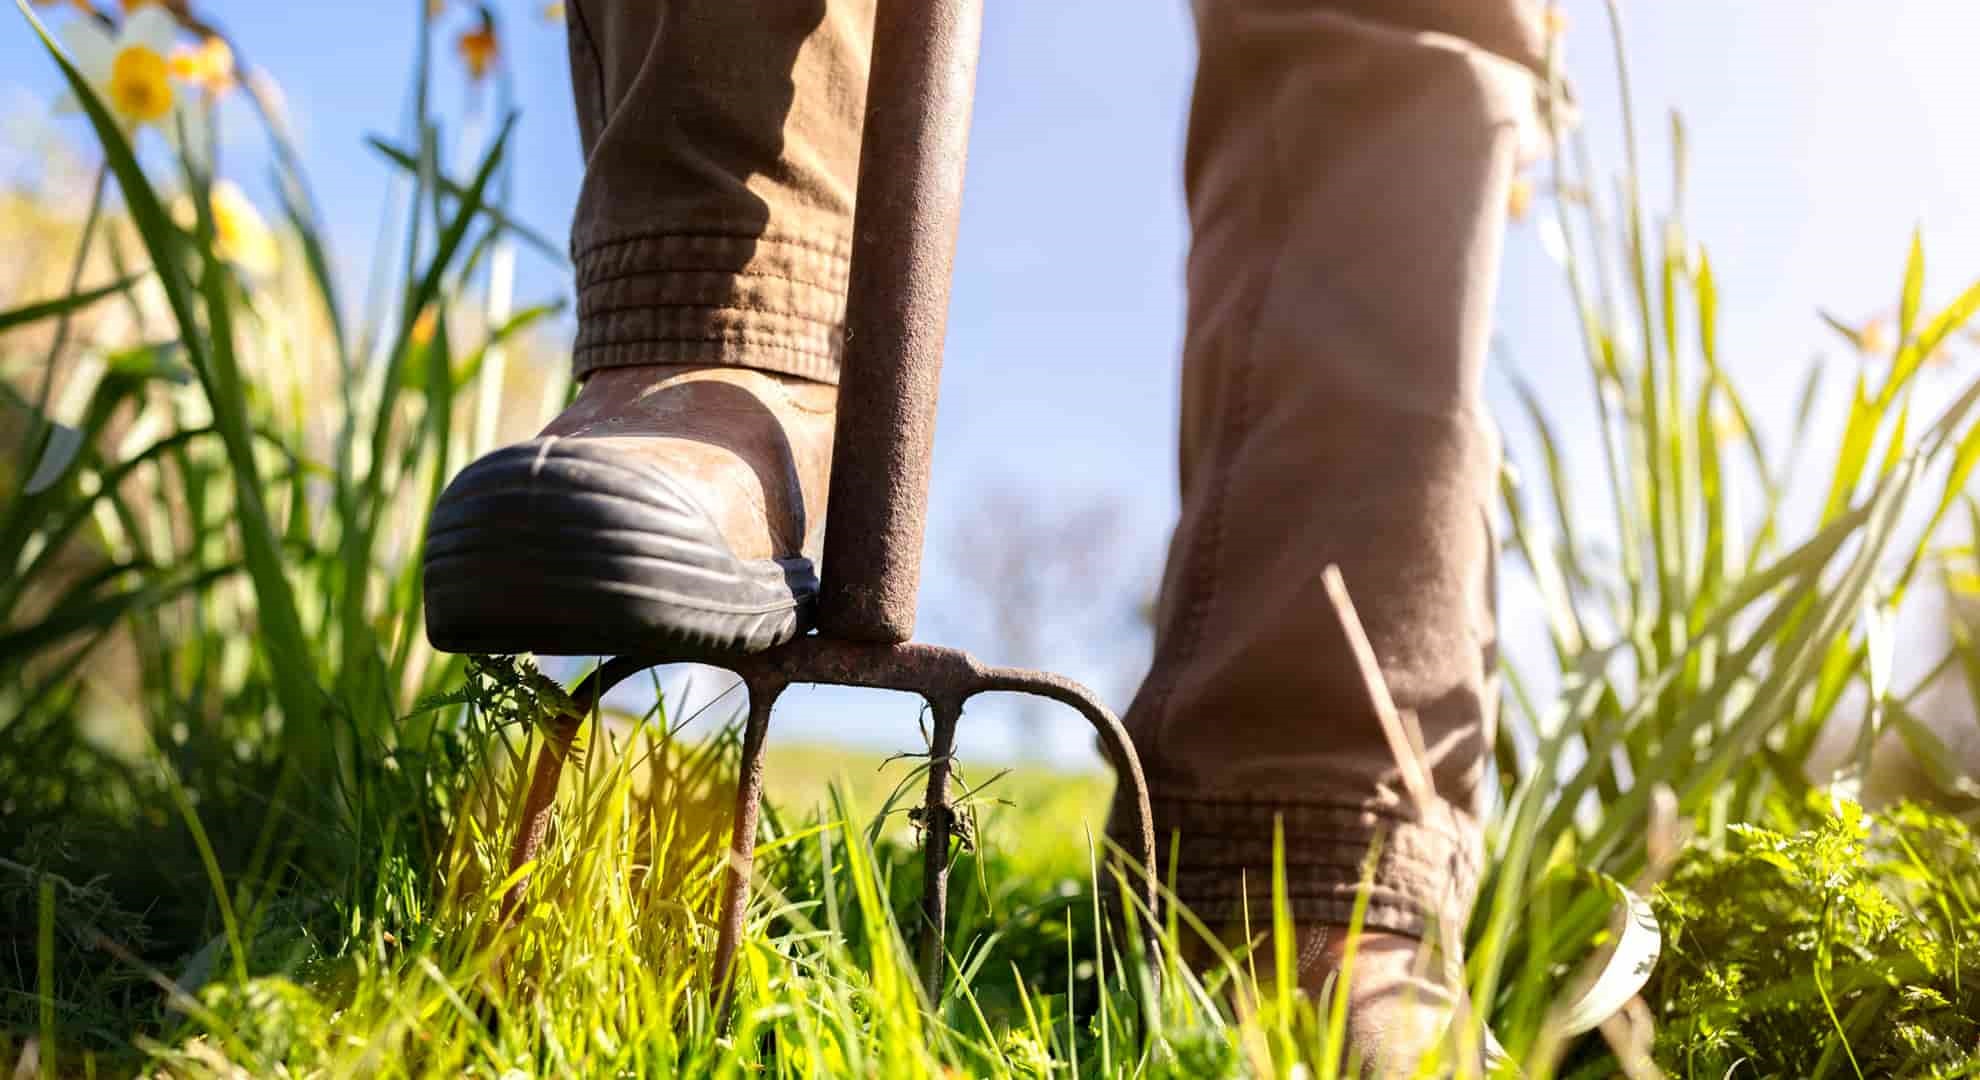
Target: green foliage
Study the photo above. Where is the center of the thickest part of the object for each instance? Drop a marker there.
(255, 825)
(1851, 946)
(1707, 629)
(210, 636)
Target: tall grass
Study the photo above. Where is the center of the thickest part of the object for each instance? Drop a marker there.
(218, 546)
(299, 866)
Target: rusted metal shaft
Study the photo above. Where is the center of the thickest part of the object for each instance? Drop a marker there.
(909, 200)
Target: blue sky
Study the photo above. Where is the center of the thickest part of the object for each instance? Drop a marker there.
(1820, 133)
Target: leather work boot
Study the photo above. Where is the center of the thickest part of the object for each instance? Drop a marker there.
(1402, 1003)
(668, 506)
(1405, 999)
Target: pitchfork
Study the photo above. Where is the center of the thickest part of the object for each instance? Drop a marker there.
(910, 190)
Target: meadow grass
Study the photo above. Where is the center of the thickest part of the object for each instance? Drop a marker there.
(255, 826)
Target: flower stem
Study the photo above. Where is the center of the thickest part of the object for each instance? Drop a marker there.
(38, 424)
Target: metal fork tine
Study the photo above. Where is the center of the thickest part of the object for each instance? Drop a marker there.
(542, 798)
(936, 827)
(742, 842)
(539, 803)
(945, 678)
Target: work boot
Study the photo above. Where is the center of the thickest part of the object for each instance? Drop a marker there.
(667, 507)
(1406, 1001)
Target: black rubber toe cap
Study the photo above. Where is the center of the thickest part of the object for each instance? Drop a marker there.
(566, 547)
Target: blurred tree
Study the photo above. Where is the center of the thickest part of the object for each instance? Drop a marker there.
(1055, 584)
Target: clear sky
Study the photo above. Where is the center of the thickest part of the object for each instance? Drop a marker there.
(1820, 133)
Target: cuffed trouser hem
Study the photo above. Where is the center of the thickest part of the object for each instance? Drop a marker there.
(1424, 874)
(771, 303)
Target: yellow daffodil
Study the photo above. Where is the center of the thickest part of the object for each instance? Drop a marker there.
(129, 71)
(1556, 21)
(553, 11)
(240, 236)
(1518, 198)
(478, 48)
(1872, 339)
(208, 65)
(127, 68)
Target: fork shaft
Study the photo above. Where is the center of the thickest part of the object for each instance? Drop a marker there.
(908, 203)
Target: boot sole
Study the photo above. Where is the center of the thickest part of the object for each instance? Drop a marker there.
(559, 548)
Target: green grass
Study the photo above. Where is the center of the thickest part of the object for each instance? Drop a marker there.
(253, 824)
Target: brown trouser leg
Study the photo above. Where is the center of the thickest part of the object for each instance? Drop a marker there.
(721, 142)
(1348, 164)
(1347, 174)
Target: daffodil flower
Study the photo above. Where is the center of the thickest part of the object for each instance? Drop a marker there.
(130, 72)
(478, 47)
(1873, 339)
(1519, 197)
(240, 236)
(208, 65)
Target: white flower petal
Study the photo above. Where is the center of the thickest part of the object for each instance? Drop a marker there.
(152, 27)
(91, 49)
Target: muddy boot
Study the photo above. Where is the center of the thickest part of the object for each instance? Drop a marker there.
(668, 507)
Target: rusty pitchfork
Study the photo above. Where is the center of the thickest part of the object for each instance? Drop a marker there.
(910, 191)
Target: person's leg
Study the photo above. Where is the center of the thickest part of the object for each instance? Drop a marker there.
(681, 497)
(1348, 167)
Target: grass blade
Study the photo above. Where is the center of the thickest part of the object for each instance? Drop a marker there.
(28, 314)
